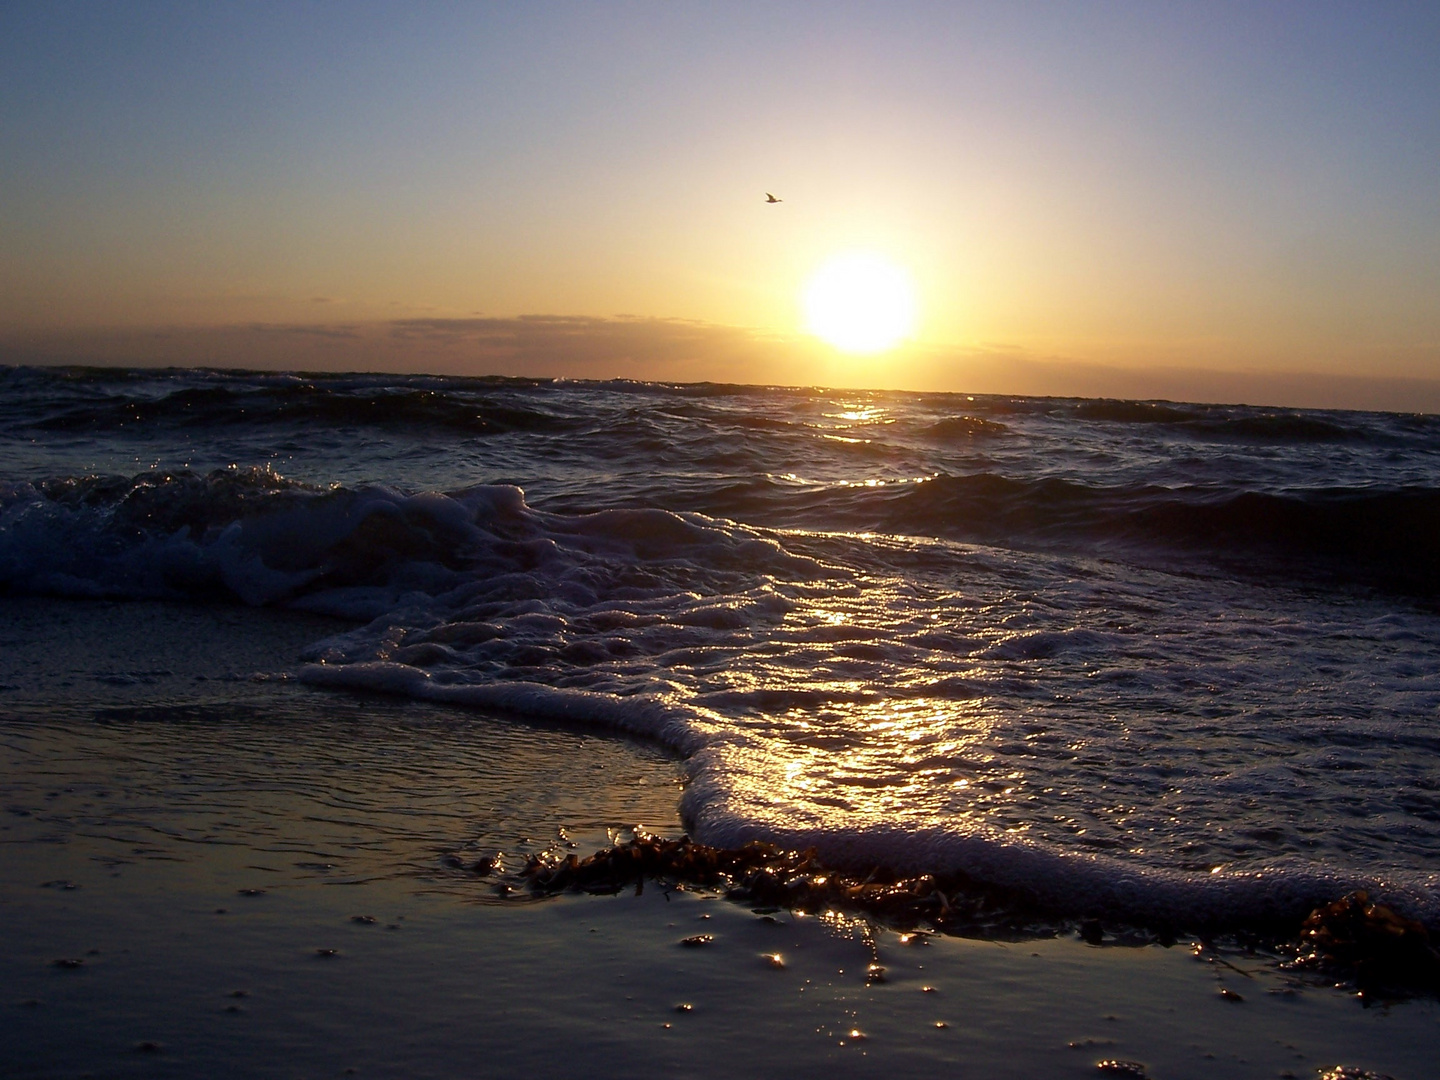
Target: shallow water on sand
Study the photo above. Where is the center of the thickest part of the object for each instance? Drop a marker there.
(252, 880)
(119, 730)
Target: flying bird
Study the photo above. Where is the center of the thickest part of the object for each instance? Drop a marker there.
(771, 198)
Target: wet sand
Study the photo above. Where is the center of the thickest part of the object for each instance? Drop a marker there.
(210, 870)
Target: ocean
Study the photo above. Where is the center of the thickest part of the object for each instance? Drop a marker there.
(1146, 659)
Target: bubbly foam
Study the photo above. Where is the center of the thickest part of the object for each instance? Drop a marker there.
(1167, 740)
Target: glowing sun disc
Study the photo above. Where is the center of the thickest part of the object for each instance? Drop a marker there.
(860, 303)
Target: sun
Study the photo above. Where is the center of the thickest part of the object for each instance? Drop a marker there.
(860, 303)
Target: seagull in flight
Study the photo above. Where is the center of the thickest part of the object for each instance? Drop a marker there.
(771, 198)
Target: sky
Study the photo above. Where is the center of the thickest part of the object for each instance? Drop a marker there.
(1208, 201)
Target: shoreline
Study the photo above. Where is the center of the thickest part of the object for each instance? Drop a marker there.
(224, 835)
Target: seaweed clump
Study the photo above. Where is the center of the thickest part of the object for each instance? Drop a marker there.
(1377, 948)
(762, 874)
(1379, 951)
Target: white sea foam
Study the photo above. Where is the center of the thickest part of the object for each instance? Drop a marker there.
(728, 803)
(1105, 736)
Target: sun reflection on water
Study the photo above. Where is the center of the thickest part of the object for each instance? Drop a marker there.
(917, 753)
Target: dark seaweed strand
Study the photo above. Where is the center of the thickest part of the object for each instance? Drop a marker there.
(1368, 945)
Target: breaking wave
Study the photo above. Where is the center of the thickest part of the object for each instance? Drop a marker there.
(907, 702)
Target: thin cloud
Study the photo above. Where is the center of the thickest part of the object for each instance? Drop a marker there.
(679, 350)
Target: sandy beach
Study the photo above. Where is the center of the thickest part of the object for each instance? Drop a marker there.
(240, 876)
(698, 540)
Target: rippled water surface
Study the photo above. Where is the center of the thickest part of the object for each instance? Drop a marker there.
(1135, 654)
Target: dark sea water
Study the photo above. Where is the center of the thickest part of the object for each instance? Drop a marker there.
(1141, 657)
